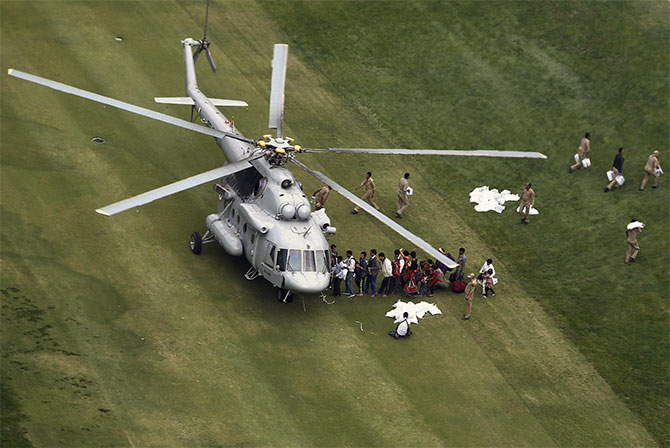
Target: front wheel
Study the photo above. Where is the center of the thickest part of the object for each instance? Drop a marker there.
(196, 243)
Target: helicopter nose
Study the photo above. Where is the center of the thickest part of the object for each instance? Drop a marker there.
(306, 282)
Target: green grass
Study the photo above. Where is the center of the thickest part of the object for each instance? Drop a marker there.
(114, 334)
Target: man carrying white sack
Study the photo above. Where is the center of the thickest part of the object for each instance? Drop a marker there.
(527, 203)
(632, 230)
(652, 168)
(583, 152)
(617, 168)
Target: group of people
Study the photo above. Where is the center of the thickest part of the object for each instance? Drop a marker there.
(401, 273)
(652, 167)
(404, 190)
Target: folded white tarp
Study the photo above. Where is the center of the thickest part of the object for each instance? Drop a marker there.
(635, 225)
(415, 311)
(488, 200)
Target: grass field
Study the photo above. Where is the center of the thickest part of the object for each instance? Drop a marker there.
(113, 333)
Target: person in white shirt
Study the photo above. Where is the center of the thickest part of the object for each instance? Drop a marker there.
(387, 274)
(488, 264)
(403, 328)
(350, 264)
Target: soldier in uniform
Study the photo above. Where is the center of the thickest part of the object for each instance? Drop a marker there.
(527, 202)
(584, 152)
(403, 202)
(633, 247)
(369, 195)
(320, 197)
(469, 295)
(650, 170)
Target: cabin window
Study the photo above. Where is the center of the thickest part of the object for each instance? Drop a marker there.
(310, 264)
(270, 255)
(282, 257)
(321, 261)
(294, 260)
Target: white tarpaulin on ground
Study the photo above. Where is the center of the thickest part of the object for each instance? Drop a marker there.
(533, 210)
(415, 311)
(488, 200)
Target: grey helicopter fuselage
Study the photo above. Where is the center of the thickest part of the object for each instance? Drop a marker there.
(262, 212)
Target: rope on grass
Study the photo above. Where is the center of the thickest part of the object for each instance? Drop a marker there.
(323, 297)
(361, 323)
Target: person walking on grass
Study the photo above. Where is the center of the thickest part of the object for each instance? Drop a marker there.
(403, 202)
(632, 230)
(320, 197)
(527, 203)
(583, 152)
(469, 295)
(374, 265)
(460, 270)
(617, 167)
(361, 272)
(369, 195)
(651, 168)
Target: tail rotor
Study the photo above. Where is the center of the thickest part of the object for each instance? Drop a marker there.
(204, 44)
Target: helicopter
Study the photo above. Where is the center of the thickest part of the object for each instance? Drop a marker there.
(262, 212)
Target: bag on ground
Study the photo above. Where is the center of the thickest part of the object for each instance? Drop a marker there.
(458, 286)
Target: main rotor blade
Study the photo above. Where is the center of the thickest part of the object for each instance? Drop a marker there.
(210, 60)
(125, 106)
(419, 242)
(433, 152)
(176, 187)
(277, 88)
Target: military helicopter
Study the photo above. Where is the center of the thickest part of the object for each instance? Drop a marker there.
(262, 211)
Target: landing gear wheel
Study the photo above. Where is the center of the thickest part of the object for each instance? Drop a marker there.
(284, 295)
(196, 243)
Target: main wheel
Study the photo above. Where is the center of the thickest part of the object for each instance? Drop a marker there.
(196, 243)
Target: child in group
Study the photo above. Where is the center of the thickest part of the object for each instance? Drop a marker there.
(488, 283)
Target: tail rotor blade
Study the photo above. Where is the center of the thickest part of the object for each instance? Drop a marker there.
(210, 60)
(197, 53)
(206, 17)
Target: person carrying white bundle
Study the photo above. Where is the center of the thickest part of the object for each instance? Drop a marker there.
(632, 230)
(651, 168)
(582, 158)
(617, 169)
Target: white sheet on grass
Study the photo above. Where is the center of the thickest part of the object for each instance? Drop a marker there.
(415, 311)
(533, 210)
(488, 200)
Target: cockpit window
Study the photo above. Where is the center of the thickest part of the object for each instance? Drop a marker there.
(260, 186)
(294, 261)
(270, 255)
(310, 265)
(282, 257)
(321, 262)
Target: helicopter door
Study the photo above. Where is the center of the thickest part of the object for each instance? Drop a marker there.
(268, 266)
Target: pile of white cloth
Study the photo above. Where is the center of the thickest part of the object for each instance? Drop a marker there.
(415, 311)
(488, 200)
